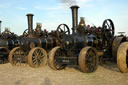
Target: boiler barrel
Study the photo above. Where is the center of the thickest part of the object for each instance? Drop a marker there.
(13, 43)
(46, 43)
(77, 42)
(28, 43)
(49, 42)
(9, 43)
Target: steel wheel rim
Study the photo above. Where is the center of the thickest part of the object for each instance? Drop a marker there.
(84, 59)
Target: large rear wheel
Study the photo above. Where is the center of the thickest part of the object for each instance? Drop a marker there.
(122, 57)
(37, 57)
(88, 59)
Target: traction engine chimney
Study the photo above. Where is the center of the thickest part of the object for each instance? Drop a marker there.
(30, 25)
(74, 10)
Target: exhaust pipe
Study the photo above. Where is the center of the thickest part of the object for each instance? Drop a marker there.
(0, 26)
(74, 10)
(30, 25)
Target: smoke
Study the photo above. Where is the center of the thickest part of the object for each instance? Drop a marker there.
(67, 3)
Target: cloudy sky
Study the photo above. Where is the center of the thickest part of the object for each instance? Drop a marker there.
(51, 13)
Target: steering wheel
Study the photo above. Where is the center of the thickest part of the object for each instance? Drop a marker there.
(25, 31)
(108, 29)
(62, 30)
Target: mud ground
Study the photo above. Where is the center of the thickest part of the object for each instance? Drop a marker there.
(106, 74)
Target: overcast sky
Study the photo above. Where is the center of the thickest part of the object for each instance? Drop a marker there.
(51, 13)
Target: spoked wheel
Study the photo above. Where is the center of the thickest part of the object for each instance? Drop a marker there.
(17, 57)
(88, 60)
(62, 30)
(4, 55)
(122, 57)
(37, 57)
(108, 29)
(54, 53)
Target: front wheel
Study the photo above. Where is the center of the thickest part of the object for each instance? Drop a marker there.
(88, 59)
(54, 53)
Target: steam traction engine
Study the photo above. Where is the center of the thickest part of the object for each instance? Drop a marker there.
(8, 40)
(83, 47)
(34, 46)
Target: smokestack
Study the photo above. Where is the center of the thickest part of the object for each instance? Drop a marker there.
(74, 18)
(30, 25)
(0, 26)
